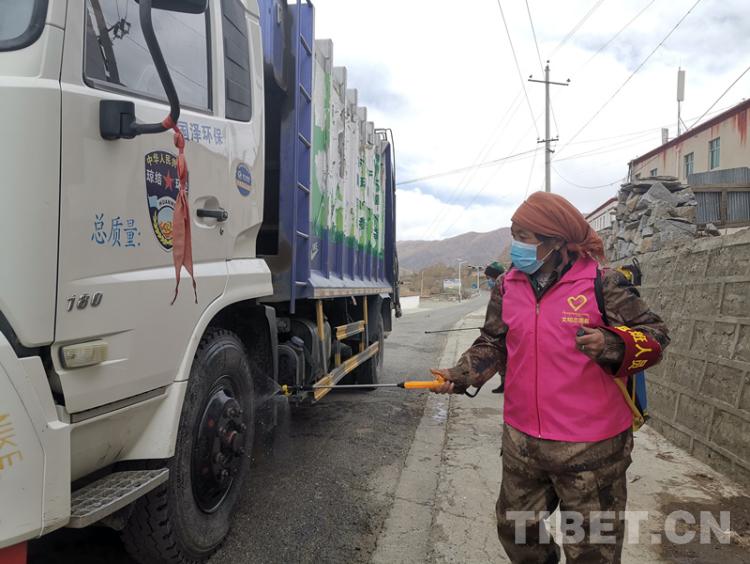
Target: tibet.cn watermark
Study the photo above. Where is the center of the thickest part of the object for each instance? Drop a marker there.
(571, 527)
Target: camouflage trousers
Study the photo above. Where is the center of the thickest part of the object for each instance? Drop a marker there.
(587, 478)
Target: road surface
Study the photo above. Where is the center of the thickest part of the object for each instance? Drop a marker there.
(323, 482)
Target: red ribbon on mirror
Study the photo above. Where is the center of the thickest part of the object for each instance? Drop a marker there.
(182, 243)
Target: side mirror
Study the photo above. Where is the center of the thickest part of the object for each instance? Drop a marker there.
(117, 119)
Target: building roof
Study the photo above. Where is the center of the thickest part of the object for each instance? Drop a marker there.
(600, 208)
(741, 107)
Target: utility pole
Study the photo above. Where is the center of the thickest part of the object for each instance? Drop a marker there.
(421, 285)
(460, 289)
(547, 135)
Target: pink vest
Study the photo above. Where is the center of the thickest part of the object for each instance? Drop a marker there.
(552, 390)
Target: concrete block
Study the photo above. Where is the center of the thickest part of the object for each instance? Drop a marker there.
(694, 414)
(722, 383)
(663, 371)
(700, 299)
(730, 261)
(745, 395)
(712, 457)
(736, 299)
(687, 372)
(731, 432)
(715, 339)
(679, 332)
(695, 266)
(741, 475)
(661, 400)
(743, 345)
(673, 434)
(674, 297)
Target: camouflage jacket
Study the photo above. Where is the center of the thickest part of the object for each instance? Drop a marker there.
(623, 306)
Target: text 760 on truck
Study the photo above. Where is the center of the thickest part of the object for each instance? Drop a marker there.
(141, 141)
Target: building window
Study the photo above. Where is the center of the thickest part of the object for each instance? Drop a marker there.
(738, 207)
(116, 56)
(653, 172)
(714, 149)
(726, 207)
(689, 160)
(709, 207)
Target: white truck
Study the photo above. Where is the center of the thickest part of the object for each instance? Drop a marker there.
(123, 403)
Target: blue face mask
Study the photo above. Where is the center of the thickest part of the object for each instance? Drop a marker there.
(524, 258)
(490, 283)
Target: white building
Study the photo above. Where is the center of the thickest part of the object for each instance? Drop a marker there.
(714, 159)
(601, 218)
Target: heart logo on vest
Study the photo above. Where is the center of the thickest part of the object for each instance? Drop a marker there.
(577, 302)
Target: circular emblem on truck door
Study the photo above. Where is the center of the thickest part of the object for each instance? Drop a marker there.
(162, 187)
(243, 179)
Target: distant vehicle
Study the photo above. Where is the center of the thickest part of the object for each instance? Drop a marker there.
(117, 406)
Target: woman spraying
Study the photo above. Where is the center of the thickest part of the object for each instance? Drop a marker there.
(561, 330)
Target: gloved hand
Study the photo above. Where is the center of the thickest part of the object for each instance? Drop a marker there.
(449, 386)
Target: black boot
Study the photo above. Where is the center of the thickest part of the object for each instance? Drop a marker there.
(500, 389)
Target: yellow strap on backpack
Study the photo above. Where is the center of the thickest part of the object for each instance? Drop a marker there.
(638, 420)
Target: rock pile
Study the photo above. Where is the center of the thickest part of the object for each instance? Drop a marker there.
(653, 213)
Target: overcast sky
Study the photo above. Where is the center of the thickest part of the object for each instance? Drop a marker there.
(441, 74)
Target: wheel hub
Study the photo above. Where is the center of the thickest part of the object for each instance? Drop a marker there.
(219, 448)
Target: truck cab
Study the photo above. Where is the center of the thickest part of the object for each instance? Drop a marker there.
(115, 376)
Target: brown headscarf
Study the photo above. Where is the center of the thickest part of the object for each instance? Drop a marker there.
(551, 215)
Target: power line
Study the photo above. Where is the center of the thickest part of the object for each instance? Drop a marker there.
(531, 174)
(720, 97)
(469, 175)
(638, 68)
(578, 26)
(594, 152)
(639, 133)
(483, 188)
(484, 164)
(630, 139)
(616, 35)
(539, 57)
(533, 33)
(518, 67)
(557, 172)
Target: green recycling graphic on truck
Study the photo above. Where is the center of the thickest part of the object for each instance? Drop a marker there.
(347, 201)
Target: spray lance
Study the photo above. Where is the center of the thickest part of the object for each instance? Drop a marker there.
(451, 330)
(406, 385)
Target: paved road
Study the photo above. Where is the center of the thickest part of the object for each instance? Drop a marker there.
(323, 481)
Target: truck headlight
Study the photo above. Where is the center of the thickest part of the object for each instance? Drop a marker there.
(84, 354)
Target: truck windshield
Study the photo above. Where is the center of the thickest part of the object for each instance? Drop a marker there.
(21, 22)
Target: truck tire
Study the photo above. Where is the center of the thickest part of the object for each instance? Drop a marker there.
(185, 520)
(369, 372)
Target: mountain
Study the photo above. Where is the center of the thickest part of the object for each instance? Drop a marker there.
(476, 248)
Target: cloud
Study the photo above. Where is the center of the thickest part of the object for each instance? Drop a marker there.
(444, 79)
(375, 89)
(423, 216)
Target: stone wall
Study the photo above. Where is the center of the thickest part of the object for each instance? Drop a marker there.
(653, 214)
(699, 396)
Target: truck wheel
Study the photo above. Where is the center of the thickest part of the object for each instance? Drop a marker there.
(185, 521)
(370, 371)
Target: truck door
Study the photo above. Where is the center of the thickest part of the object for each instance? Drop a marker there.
(116, 276)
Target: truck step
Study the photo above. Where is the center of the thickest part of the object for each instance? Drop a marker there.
(111, 493)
